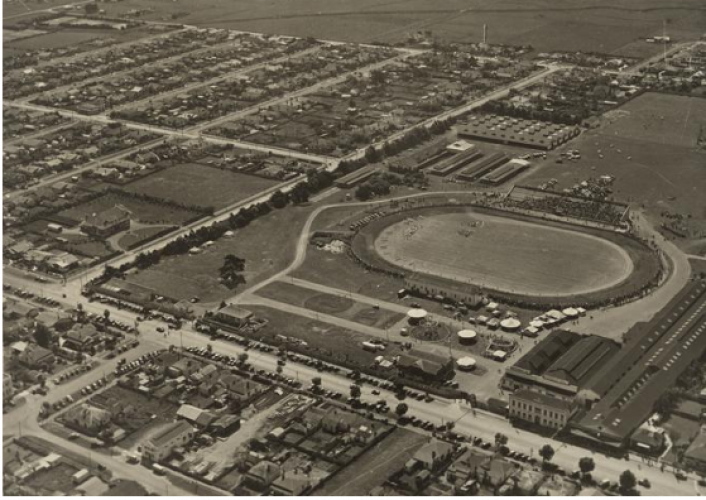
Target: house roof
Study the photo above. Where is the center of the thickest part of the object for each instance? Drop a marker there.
(432, 451)
(548, 351)
(82, 332)
(170, 432)
(235, 312)
(34, 354)
(107, 217)
(265, 471)
(195, 415)
(426, 361)
(697, 448)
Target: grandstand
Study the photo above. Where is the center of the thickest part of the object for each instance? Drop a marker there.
(567, 205)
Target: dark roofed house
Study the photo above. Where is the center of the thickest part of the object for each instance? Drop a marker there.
(695, 455)
(291, 484)
(82, 337)
(107, 223)
(262, 475)
(201, 418)
(434, 454)
(417, 363)
(36, 357)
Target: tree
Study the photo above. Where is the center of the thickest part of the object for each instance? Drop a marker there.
(628, 481)
(355, 391)
(316, 382)
(401, 409)
(209, 348)
(546, 452)
(243, 358)
(106, 315)
(587, 465)
(231, 271)
(43, 335)
(501, 439)
(279, 199)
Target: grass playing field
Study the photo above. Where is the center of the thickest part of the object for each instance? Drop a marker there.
(200, 185)
(505, 254)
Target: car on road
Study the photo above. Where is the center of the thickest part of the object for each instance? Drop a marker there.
(645, 483)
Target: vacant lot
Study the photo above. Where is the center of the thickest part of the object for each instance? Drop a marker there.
(374, 466)
(199, 185)
(334, 305)
(504, 254)
(324, 340)
(267, 245)
(56, 40)
(660, 119)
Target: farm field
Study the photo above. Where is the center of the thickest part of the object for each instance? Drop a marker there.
(334, 305)
(504, 254)
(57, 39)
(266, 244)
(580, 25)
(200, 185)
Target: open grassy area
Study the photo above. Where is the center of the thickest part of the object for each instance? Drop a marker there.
(324, 340)
(649, 147)
(334, 305)
(141, 211)
(200, 185)
(579, 25)
(266, 245)
(374, 466)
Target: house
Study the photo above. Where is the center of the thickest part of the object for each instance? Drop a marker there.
(197, 416)
(106, 223)
(540, 409)
(695, 455)
(8, 388)
(244, 391)
(63, 263)
(233, 315)
(184, 367)
(36, 357)
(648, 440)
(82, 337)
(262, 475)
(433, 455)
(162, 444)
(291, 484)
(421, 364)
(87, 418)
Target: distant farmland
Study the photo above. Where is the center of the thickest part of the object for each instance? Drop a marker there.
(588, 25)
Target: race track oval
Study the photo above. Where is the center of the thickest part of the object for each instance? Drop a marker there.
(505, 254)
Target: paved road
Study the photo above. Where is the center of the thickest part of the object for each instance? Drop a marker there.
(481, 424)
